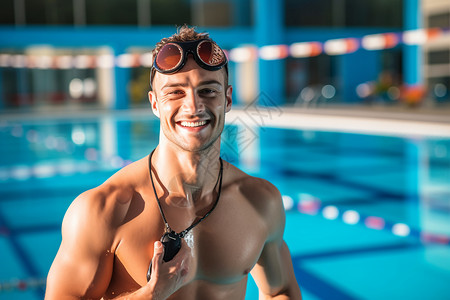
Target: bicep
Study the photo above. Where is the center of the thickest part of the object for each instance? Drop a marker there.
(83, 265)
(268, 273)
(274, 273)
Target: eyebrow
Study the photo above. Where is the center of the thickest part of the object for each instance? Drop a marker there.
(210, 82)
(170, 85)
(206, 82)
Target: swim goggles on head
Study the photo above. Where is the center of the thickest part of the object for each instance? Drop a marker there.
(173, 56)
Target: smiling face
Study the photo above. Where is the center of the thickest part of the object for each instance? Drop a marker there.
(191, 105)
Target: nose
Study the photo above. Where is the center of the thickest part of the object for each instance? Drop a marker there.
(193, 104)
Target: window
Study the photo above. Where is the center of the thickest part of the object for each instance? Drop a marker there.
(308, 12)
(439, 89)
(374, 13)
(439, 57)
(312, 73)
(211, 13)
(48, 12)
(7, 12)
(170, 12)
(344, 13)
(111, 12)
(439, 20)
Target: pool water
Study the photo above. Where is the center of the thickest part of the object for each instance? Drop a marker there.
(368, 217)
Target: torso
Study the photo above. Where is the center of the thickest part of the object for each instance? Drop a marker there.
(225, 246)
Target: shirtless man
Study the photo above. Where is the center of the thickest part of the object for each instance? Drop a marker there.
(229, 223)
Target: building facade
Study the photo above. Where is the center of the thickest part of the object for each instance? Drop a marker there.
(291, 52)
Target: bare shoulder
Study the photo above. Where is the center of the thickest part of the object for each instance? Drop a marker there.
(100, 206)
(107, 204)
(262, 195)
(256, 189)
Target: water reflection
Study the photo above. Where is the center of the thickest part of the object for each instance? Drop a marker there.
(402, 184)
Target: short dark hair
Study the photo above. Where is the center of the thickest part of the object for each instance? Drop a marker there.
(184, 34)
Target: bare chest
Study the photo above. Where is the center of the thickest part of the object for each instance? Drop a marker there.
(225, 246)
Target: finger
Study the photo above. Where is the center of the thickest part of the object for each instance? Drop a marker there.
(158, 254)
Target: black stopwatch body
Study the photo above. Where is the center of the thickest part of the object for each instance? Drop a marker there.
(172, 244)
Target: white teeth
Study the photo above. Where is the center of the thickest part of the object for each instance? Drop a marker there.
(192, 124)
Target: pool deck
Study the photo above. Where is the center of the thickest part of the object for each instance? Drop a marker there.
(390, 121)
(360, 119)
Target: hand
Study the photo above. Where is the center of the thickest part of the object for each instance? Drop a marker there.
(167, 277)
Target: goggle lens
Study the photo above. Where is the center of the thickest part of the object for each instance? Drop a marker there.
(169, 57)
(210, 53)
(172, 56)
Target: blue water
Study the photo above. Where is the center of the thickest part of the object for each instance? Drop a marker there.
(368, 217)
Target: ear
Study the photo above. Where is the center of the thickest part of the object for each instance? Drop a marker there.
(153, 103)
(228, 98)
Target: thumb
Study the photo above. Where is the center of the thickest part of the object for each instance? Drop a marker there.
(158, 254)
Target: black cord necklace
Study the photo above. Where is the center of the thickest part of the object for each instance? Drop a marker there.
(171, 239)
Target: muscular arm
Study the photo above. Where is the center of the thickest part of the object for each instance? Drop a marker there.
(274, 273)
(83, 266)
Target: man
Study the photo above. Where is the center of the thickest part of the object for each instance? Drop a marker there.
(227, 223)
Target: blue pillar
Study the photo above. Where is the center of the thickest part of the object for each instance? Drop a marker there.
(412, 55)
(269, 23)
(241, 10)
(122, 77)
(351, 74)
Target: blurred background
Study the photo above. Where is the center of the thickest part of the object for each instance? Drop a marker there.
(329, 52)
(343, 104)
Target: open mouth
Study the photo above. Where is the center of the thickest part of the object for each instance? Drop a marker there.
(195, 124)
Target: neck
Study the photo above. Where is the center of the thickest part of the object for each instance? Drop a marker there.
(187, 175)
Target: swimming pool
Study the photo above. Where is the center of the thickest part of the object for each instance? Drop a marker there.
(368, 216)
